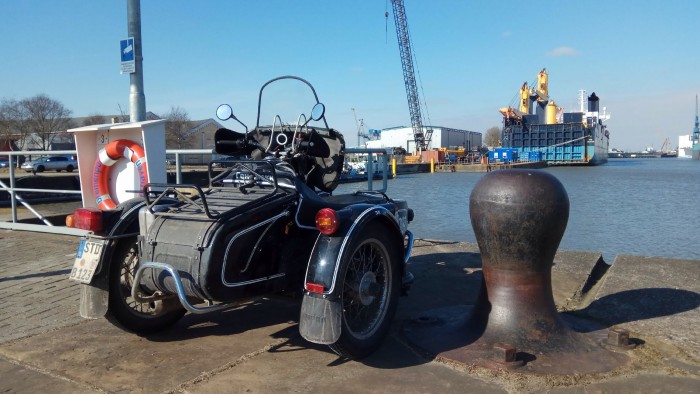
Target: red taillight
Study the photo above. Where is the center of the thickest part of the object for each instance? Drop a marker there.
(314, 288)
(87, 219)
(326, 221)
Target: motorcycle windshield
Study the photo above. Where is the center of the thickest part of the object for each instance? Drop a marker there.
(286, 101)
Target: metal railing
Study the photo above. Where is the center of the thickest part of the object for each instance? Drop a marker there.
(12, 189)
(48, 227)
(383, 154)
(178, 163)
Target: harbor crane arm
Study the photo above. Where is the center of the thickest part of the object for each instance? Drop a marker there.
(422, 139)
(359, 123)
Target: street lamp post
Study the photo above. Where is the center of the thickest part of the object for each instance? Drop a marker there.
(137, 99)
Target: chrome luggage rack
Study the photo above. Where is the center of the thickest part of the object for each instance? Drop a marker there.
(239, 186)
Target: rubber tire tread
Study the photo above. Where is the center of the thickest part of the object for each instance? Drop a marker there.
(348, 346)
(119, 313)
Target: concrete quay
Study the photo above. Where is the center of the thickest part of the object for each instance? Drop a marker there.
(494, 166)
(46, 347)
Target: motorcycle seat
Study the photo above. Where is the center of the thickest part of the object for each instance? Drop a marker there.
(343, 200)
(311, 202)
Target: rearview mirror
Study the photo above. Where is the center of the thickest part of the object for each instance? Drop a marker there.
(224, 112)
(318, 111)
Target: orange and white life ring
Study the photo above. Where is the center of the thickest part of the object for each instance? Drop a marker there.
(106, 158)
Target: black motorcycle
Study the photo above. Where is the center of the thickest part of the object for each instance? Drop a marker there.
(268, 222)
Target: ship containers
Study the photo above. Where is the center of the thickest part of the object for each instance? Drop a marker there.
(561, 142)
(506, 155)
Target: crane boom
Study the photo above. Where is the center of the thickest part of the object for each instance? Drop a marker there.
(696, 129)
(360, 124)
(422, 139)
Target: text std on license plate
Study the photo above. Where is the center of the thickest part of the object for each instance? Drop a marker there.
(86, 260)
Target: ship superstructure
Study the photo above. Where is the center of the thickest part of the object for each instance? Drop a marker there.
(538, 125)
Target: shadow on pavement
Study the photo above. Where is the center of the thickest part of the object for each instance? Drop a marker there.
(639, 304)
(36, 275)
(257, 314)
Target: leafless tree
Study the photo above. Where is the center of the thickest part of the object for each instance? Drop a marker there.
(177, 126)
(493, 136)
(47, 118)
(5, 122)
(123, 115)
(94, 119)
(14, 123)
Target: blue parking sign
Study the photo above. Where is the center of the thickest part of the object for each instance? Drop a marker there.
(127, 51)
(128, 64)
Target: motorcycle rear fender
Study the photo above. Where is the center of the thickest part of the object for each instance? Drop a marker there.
(321, 312)
(94, 296)
(329, 249)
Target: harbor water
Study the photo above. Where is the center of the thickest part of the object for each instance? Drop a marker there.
(647, 207)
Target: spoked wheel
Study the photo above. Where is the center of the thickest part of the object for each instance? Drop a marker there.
(371, 280)
(142, 318)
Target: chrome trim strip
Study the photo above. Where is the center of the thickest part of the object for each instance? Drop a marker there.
(248, 282)
(308, 264)
(252, 251)
(345, 241)
(228, 248)
(296, 215)
(409, 248)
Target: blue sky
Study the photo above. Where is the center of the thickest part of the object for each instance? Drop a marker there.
(640, 57)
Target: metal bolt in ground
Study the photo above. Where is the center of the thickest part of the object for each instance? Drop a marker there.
(504, 352)
(618, 337)
(503, 357)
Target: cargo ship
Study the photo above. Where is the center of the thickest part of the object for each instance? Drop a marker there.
(541, 129)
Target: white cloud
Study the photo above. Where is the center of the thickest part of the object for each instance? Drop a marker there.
(563, 51)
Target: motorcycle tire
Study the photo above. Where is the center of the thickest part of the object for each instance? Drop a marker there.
(123, 310)
(371, 280)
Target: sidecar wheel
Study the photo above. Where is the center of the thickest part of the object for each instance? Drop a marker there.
(371, 280)
(124, 310)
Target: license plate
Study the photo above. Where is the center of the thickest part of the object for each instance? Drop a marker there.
(86, 260)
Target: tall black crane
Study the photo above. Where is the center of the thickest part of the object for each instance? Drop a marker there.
(422, 139)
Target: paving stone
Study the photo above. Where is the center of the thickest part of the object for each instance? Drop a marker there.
(21, 379)
(35, 267)
(653, 297)
(446, 273)
(130, 363)
(259, 348)
(646, 383)
(394, 369)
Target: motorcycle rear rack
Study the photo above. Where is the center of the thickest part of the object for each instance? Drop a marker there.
(251, 182)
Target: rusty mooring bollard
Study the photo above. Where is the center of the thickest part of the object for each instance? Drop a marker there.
(519, 218)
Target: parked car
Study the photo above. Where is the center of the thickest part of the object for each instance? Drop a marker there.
(44, 163)
(4, 163)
